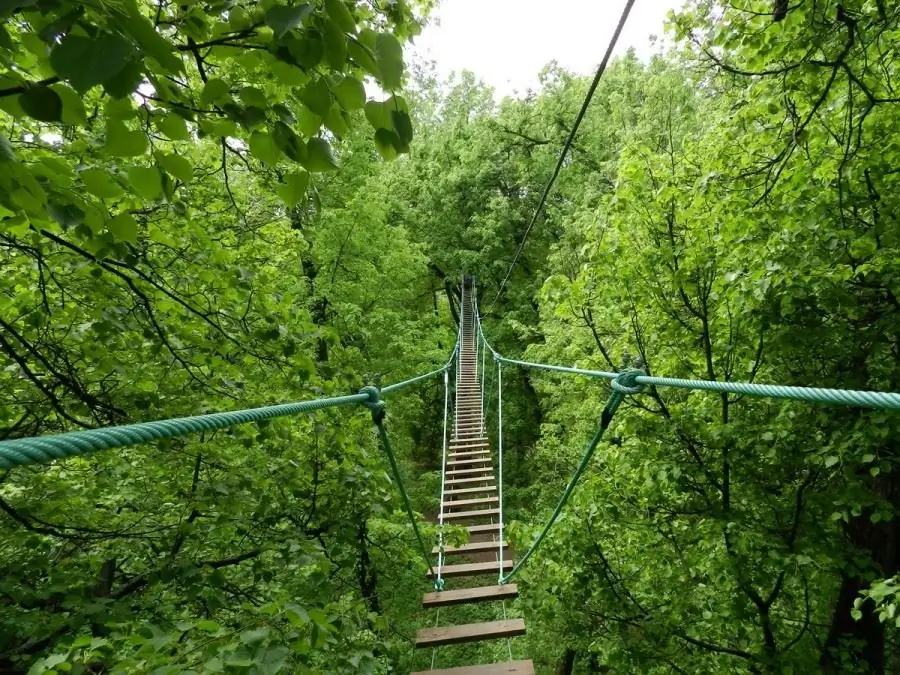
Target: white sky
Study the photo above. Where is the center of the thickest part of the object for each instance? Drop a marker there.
(507, 42)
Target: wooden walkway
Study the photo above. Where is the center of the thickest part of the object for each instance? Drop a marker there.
(470, 498)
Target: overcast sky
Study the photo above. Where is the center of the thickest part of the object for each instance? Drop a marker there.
(507, 42)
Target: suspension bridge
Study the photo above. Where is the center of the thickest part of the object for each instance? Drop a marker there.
(471, 488)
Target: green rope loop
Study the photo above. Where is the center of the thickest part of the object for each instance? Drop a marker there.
(374, 402)
(626, 382)
(439, 584)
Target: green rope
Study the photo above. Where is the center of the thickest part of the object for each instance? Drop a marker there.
(23, 451)
(624, 384)
(376, 404)
(866, 399)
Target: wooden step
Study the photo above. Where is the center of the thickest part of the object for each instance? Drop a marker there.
(488, 528)
(465, 549)
(465, 515)
(469, 472)
(468, 491)
(472, 569)
(468, 462)
(471, 453)
(462, 481)
(507, 668)
(461, 596)
(466, 446)
(458, 503)
(469, 632)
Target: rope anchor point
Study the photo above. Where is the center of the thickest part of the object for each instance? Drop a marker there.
(626, 382)
(375, 403)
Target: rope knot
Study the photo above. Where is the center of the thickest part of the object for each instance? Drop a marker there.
(375, 403)
(439, 584)
(626, 382)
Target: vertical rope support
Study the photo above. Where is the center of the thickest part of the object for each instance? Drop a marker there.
(481, 392)
(439, 582)
(500, 458)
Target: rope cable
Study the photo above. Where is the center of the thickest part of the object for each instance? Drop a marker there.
(568, 144)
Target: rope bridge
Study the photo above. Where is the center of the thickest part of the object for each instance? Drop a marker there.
(466, 467)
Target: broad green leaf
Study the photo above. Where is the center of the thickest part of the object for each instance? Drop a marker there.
(363, 56)
(100, 183)
(73, 106)
(335, 45)
(122, 142)
(124, 228)
(132, 22)
(319, 156)
(86, 62)
(146, 181)
(317, 97)
(125, 82)
(387, 142)
(379, 115)
(403, 126)
(294, 188)
(336, 122)
(264, 148)
(173, 126)
(288, 142)
(42, 103)
(251, 96)
(350, 93)
(389, 56)
(177, 166)
(214, 91)
(283, 19)
(6, 151)
(340, 14)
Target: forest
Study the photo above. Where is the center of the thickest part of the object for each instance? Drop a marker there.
(208, 205)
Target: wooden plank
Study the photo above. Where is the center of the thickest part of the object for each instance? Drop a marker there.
(469, 632)
(473, 569)
(463, 472)
(461, 596)
(465, 515)
(490, 528)
(459, 503)
(470, 444)
(477, 547)
(468, 463)
(470, 453)
(461, 481)
(507, 668)
(468, 491)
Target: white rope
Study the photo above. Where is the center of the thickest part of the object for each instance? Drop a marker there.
(437, 620)
(500, 458)
(440, 564)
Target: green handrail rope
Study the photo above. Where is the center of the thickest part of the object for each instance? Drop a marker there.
(867, 399)
(33, 450)
(624, 384)
(376, 404)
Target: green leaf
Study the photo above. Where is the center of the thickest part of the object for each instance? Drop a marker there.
(6, 151)
(379, 115)
(208, 626)
(132, 22)
(253, 96)
(214, 91)
(336, 123)
(122, 142)
(146, 181)
(42, 103)
(86, 62)
(252, 637)
(125, 82)
(73, 106)
(124, 228)
(100, 183)
(288, 143)
(174, 126)
(335, 45)
(386, 142)
(319, 156)
(177, 166)
(286, 114)
(403, 127)
(294, 188)
(350, 93)
(264, 148)
(341, 15)
(317, 97)
(389, 56)
(831, 460)
(363, 56)
(283, 19)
